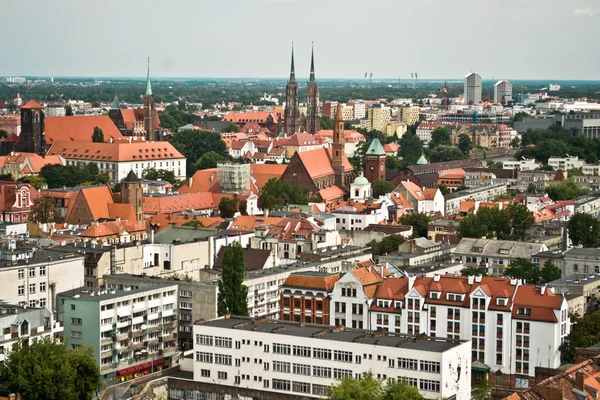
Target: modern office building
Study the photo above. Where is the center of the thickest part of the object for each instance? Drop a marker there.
(503, 91)
(299, 360)
(133, 332)
(472, 88)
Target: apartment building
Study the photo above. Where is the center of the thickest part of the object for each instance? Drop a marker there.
(196, 299)
(300, 360)
(512, 327)
(360, 109)
(24, 324)
(355, 215)
(565, 163)
(483, 193)
(408, 114)
(133, 332)
(379, 116)
(588, 204)
(525, 164)
(503, 91)
(472, 94)
(305, 297)
(581, 261)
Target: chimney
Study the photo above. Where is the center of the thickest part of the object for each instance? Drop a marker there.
(543, 289)
(580, 381)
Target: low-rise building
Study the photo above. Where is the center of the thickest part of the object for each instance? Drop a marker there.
(354, 215)
(484, 193)
(490, 176)
(565, 163)
(524, 164)
(581, 261)
(132, 332)
(443, 231)
(584, 290)
(420, 251)
(588, 204)
(423, 200)
(304, 360)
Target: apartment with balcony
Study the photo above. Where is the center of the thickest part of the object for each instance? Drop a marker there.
(299, 361)
(133, 332)
(512, 327)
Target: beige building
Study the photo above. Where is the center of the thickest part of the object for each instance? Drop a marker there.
(379, 117)
(395, 128)
(408, 114)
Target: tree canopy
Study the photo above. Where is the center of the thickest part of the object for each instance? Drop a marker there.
(542, 144)
(584, 230)
(510, 223)
(326, 122)
(523, 269)
(585, 332)
(388, 244)
(446, 153)
(566, 190)
(194, 143)
(277, 194)
(465, 144)
(207, 160)
(50, 370)
(57, 175)
(411, 148)
(97, 135)
(154, 174)
(233, 294)
(228, 207)
(440, 136)
(369, 388)
(382, 187)
(418, 221)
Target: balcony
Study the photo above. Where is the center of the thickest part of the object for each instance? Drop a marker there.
(106, 340)
(140, 306)
(168, 313)
(122, 336)
(153, 316)
(138, 320)
(138, 346)
(106, 327)
(153, 303)
(124, 324)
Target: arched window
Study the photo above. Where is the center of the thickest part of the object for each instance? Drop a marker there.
(356, 193)
(25, 328)
(24, 202)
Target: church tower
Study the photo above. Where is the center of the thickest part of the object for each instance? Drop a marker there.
(132, 193)
(375, 162)
(32, 128)
(313, 120)
(291, 101)
(149, 108)
(337, 154)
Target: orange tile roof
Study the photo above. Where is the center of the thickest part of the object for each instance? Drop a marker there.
(79, 128)
(316, 162)
(414, 190)
(400, 200)
(137, 150)
(247, 223)
(113, 229)
(98, 199)
(288, 228)
(350, 136)
(429, 193)
(391, 147)
(326, 283)
(202, 181)
(369, 275)
(260, 117)
(303, 139)
(331, 193)
(32, 104)
(162, 221)
(457, 173)
(123, 211)
(133, 115)
(179, 203)
(347, 166)
(542, 305)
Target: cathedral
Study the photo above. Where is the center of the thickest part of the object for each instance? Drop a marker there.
(294, 121)
(141, 122)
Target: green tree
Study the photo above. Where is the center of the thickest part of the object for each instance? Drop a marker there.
(207, 160)
(277, 194)
(465, 144)
(574, 172)
(473, 271)
(585, 332)
(69, 111)
(369, 388)
(584, 230)
(481, 390)
(49, 370)
(98, 135)
(194, 223)
(550, 272)
(228, 207)
(231, 128)
(419, 223)
(194, 143)
(388, 244)
(440, 136)
(7, 177)
(532, 188)
(521, 220)
(233, 294)
(522, 268)
(515, 143)
(3, 134)
(57, 175)
(443, 189)
(510, 223)
(34, 180)
(446, 153)
(326, 122)
(566, 190)
(411, 149)
(382, 187)
(243, 207)
(42, 210)
(154, 174)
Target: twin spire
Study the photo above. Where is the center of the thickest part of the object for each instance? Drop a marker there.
(312, 65)
(148, 84)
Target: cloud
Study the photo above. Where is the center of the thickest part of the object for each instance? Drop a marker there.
(585, 12)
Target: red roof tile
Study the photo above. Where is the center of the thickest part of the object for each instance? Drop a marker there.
(32, 104)
(79, 128)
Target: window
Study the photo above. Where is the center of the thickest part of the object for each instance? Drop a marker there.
(222, 375)
(411, 381)
(76, 334)
(205, 340)
(408, 363)
(75, 321)
(222, 359)
(322, 354)
(301, 369)
(430, 366)
(32, 272)
(300, 387)
(341, 373)
(281, 349)
(523, 311)
(279, 384)
(42, 302)
(344, 356)
(429, 385)
(319, 390)
(184, 305)
(222, 342)
(32, 288)
(301, 351)
(21, 290)
(323, 372)
(21, 274)
(204, 357)
(281, 366)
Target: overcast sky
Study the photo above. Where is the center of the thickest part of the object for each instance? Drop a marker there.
(528, 39)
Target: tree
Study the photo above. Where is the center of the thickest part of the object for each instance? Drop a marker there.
(584, 230)
(574, 172)
(48, 369)
(515, 143)
(481, 390)
(277, 194)
(34, 180)
(69, 111)
(585, 332)
(566, 190)
(7, 177)
(446, 153)
(98, 135)
(228, 207)
(532, 188)
(233, 294)
(3, 134)
(369, 388)
(388, 244)
(194, 223)
(207, 160)
(231, 128)
(326, 122)
(521, 220)
(42, 210)
(443, 189)
(465, 144)
(510, 223)
(440, 136)
(57, 175)
(411, 148)
(243, 207)
(550, 272)
(154, 174)
(469, 271)
(382, 187)
(523, 269)
(194, 143)
(419, 223)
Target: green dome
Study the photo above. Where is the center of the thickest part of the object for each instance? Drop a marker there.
(282, 134)
(360, 180)
(422, 160)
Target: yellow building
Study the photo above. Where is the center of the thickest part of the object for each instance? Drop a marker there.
(379, 117)
(395, 127)
(408, 114)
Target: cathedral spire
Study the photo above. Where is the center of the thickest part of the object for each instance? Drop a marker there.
(292, 70)
(312, 63)
(148, 84)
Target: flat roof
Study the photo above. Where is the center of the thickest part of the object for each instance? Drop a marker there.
(157, 280)
(325, 332)
(576, 280)
(41, 257)
(83, 294)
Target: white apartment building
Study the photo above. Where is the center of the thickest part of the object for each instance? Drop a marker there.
(565, 163)
(356, 216)
(117, 159)
(34, 282)
(360, 109)
(512, 327)
(295, 359)
(502, 91)
(472, 93)
(523, 165)
(21, 323)
(484, 193)
(131, 331)
(55, 112)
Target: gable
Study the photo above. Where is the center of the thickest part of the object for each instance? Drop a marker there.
(79, 212)
(296, 172)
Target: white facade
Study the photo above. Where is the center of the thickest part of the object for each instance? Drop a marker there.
(298, 360)
(357, 221)
(351, 305)
(565, 163)
(248, 147)
(472, 88)
(523, 165)
(502, 91)
(55, 112)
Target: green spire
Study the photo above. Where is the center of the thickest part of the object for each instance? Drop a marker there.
(312, 64)
(115, 103)
(148, 84)
(292, 71)
(375, 149)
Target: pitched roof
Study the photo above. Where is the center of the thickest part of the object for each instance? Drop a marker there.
(254, 259)
(350, 136)
(162, 221)
(375, 148)
(32, 104)
(303, 139)
(79, 128)
(247, 223)
(260, 117)
(97, 199)
(312, 280)
(179, 203)
(202, 181)
(113, 228)
(331, 193)
(263, 172)
(133, 115)
(137, 150)
(316, 162)
(288, 228)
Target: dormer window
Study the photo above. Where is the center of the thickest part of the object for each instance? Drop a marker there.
(477, 249)
(504, 251)
(502, 302)
(454, 297)
(524, 311)
(434, 295)
(398, 305)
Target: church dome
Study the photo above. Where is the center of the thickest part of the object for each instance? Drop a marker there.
(360, 180)
(422, 160)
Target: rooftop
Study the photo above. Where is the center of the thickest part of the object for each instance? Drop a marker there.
(83, 294)
(326, 332)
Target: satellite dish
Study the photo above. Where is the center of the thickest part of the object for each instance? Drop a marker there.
(144, 326)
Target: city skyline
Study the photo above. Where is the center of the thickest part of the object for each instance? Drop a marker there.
(252, 38)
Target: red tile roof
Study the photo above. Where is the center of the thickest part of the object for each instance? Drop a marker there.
(113, 229)
(179, 203)
(331, 193)
(202, 181)
(260, 117)
(288, 228)
(137, 150)
(350, 136)
(247, 223)
(162, 221)
(133, 115)
(32, 104)
(303, 281)
(303, 139)
(79, 128)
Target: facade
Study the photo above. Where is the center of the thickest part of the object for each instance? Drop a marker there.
(485, 193)
(375, 158)
(423, 200)
(132, 331)
(581, 290)
(512, 327)
(32, 128)
(582, 262)
(305, 297)
(294, 359)
(565, 163)
(408, 114)
(11, 124)
(472, 93)
(132, 193)
(379, 117)
(490, 176)
(355, 215)
(16, 201)
(360, 109)
(503, 91)
(420, 251)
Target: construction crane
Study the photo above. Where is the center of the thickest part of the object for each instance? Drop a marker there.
(444, 90)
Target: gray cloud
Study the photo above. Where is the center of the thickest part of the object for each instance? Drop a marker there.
(585, 12)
